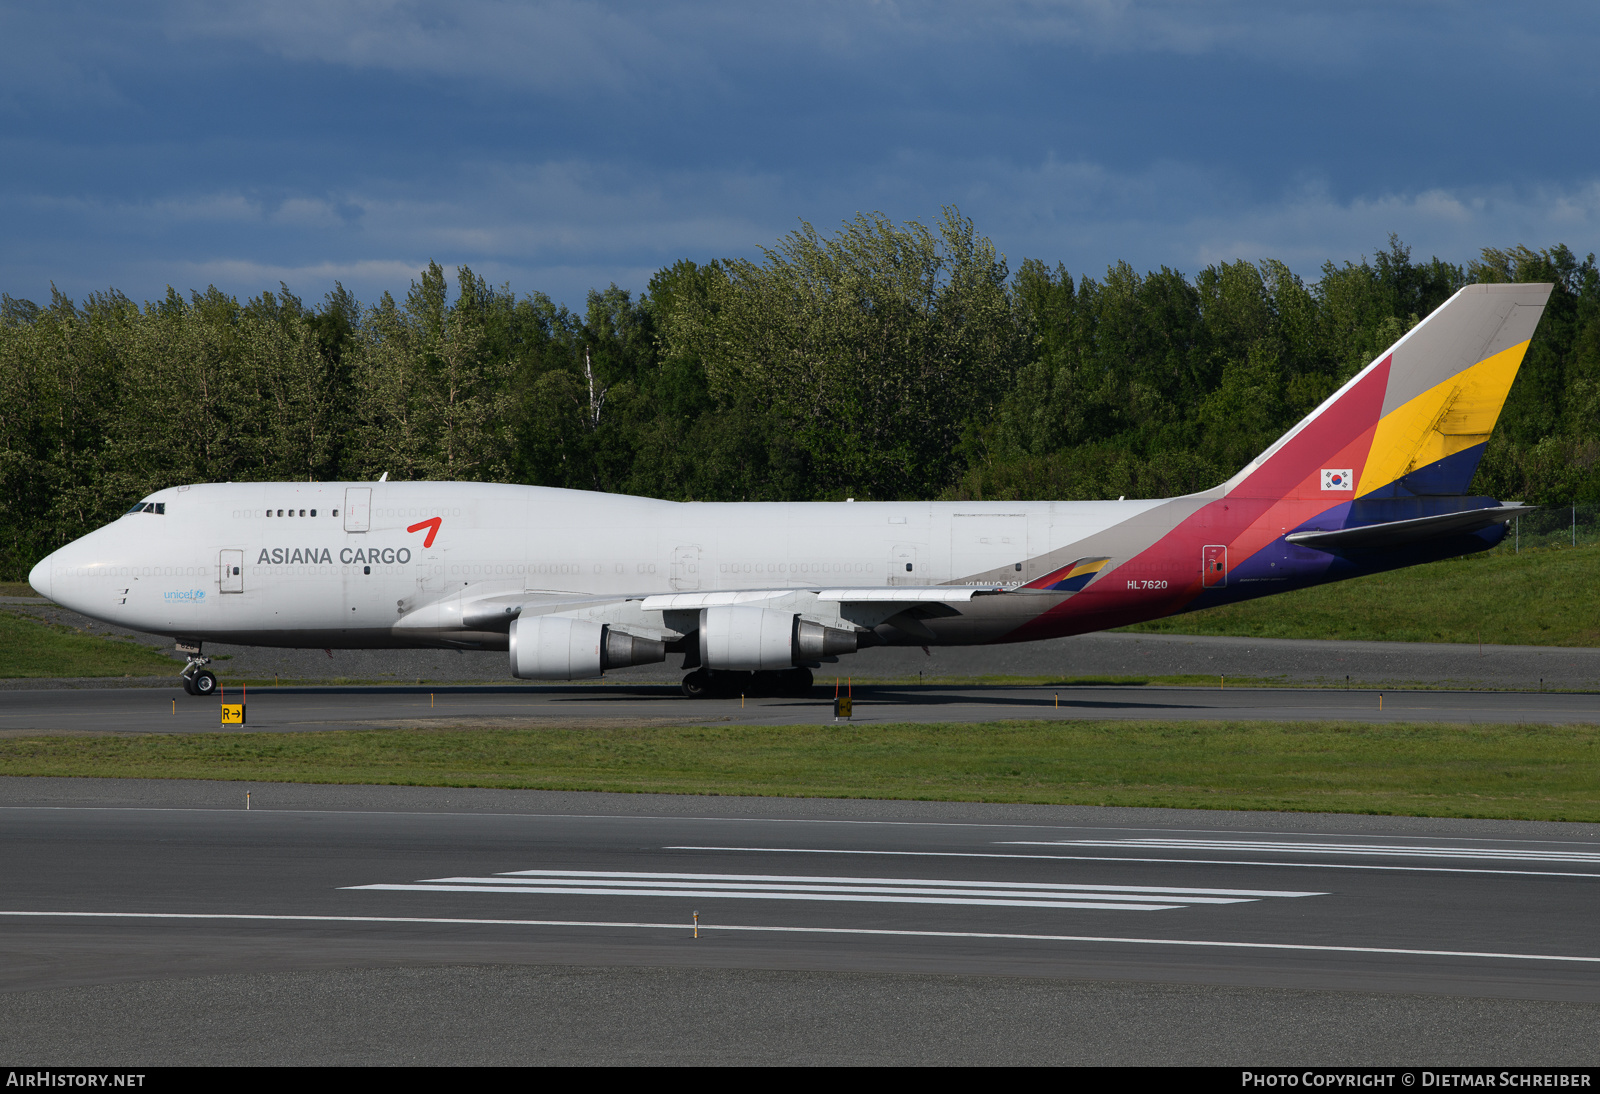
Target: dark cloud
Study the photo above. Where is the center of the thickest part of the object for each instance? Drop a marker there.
(565, 145)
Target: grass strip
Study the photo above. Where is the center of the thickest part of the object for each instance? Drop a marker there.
(1545, 597)
(30, 648)
(1529, 772)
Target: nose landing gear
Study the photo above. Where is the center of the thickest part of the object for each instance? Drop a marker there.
(198, 680)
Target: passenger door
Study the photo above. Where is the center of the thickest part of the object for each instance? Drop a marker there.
(230, 571)
(686, 568)
(903, 566)
(357, 508)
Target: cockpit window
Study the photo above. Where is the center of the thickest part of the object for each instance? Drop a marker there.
(149, 507)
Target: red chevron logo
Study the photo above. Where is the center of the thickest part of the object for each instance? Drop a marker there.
(431, 524)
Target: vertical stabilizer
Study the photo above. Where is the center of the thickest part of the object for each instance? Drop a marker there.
(1414, 422)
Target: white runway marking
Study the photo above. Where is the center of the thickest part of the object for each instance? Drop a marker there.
(1298, 847)
(1006, 894)
(1131, 858)
(557, 890)
(710, 929)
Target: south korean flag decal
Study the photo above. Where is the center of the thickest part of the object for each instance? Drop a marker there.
(1341, 478)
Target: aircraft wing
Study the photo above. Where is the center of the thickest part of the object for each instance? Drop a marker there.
(865, 607)
(906, 596)
(901, 606)
(493, 611)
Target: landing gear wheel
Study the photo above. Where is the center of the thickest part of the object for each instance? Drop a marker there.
(797, 683)
(194, 670)
(697, 685)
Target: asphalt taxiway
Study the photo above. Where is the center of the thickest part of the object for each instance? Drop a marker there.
(162, 922)
(152, 710)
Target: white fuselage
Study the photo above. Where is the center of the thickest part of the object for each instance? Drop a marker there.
(215, 565)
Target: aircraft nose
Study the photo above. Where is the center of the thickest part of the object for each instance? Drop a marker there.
(39, 577)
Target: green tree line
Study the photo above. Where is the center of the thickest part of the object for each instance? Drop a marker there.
(883, 360)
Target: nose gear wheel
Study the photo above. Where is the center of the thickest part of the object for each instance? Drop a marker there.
(198, 680)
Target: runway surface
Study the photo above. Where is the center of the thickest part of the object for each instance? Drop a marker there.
(148, 710)
(162, 922)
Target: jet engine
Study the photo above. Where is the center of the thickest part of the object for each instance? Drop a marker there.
(553, 647)
(748, 638)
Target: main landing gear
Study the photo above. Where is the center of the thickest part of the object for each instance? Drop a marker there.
(198, 680)
(792, 683)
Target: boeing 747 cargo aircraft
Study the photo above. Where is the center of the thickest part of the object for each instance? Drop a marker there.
(574, 583)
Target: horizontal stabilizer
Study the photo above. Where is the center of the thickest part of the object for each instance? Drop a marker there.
(1398, 533)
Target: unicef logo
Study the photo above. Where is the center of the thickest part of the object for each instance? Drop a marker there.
(190, 595)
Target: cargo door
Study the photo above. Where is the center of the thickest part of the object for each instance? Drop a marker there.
(1214, 566)
(230, 568)
(992, 543)
(357, 508)
(430, 571)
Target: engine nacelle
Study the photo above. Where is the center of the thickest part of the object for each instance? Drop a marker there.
(753, 639)
(553, 647)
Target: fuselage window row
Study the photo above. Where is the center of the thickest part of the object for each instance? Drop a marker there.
(508, 569)
(794, 567)
(412, 514)
(249, 513)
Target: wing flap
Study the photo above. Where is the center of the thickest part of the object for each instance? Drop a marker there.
(677, 602)
(904, 594)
